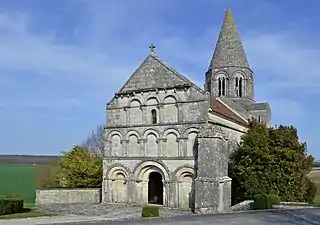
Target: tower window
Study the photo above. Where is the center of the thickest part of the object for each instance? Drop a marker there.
(219, 87)
(154, 116)
(222, 86)
(239, 86)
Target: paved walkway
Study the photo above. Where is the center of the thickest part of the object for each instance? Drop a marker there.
(57, 220)
(276, 217)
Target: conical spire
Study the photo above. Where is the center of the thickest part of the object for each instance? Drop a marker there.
(229, 49)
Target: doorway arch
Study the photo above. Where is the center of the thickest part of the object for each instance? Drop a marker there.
(155, 188)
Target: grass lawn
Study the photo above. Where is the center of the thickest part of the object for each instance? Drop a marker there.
(29, 211)
(315, 177)
(317, 198)
(18, 180)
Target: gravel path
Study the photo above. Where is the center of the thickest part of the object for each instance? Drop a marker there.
(106, 210)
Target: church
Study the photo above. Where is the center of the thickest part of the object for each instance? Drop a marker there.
(168, 141)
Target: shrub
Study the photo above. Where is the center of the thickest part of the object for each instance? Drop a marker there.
(269, 155)
(11, 205)
(150, 211)
(311, 191)
(275, 199)
(262, 201)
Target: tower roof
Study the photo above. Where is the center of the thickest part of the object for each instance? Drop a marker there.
(229, 50)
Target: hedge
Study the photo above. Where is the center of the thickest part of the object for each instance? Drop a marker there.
(150, 211)
(275, 199)
(11, 205)
(262, 201)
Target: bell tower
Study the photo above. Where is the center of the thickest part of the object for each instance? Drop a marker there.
(229, 74)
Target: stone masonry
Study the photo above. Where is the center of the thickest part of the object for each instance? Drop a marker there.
(168, 141)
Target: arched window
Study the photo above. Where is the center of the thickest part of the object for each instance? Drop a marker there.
(222, 86)
(239, 86)
(219, 86)
(154, 116)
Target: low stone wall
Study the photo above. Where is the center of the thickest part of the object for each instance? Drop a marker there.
(67, 196)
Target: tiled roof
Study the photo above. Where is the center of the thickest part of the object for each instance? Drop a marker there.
(221, 109)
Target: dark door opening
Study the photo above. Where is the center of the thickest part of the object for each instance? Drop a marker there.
(155, 188)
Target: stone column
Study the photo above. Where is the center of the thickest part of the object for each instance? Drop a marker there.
(131, 190)
(142, 146)
(108, 148)
(182, 147)
(127, 119)
(143, 112)
(161, 113)
(124, 144)
(161, 144)
(166, 192)
(144, 192)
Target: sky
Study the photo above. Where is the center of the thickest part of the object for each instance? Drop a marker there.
(62, 61)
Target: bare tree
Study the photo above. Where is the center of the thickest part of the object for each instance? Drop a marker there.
(95, 142)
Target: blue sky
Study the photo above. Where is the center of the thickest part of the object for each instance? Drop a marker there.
(61, 61)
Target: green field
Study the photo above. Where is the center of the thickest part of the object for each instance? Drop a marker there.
(18, 180)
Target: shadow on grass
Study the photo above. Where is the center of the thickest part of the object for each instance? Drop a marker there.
(27, 212)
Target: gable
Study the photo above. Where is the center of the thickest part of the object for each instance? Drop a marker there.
(152, 74)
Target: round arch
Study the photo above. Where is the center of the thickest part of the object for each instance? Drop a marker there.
(148, 98)
(143, 169)
(190, 130)
(116, 169)
(151, 131)
(239, 74)
(165, 98)
(185, 169)
(171, 130)
(114, 132)
(130, 103)
(132, 132)
(220, 74)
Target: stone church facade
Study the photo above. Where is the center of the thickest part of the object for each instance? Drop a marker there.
(168, 141)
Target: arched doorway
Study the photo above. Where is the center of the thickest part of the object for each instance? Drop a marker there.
(155, 188)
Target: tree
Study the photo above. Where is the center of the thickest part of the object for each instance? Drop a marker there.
(47, 175)
(270, 161)
(95, 142)
(80, 168)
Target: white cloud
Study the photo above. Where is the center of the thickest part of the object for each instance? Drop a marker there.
(23, 51)
(289, 63)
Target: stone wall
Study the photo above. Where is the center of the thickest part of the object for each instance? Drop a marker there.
(66, 196)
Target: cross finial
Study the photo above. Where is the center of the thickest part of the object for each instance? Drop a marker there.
(152, 47)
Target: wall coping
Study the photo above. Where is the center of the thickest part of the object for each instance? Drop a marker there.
(67, 189)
